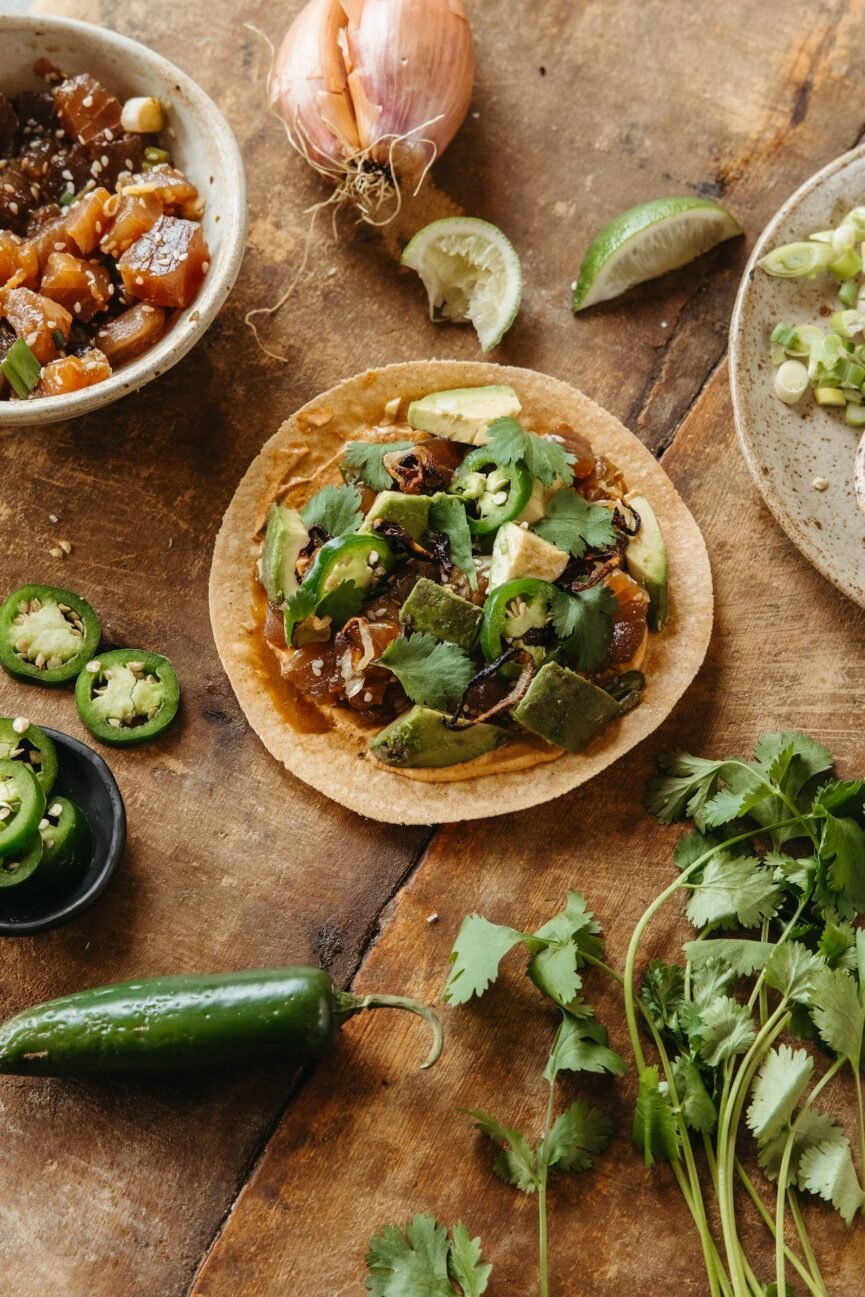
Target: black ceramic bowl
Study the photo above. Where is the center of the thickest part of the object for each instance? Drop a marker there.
(83, 777)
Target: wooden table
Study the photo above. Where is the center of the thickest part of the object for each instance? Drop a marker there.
(258, 1183)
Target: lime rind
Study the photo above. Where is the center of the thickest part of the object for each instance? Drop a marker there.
(471, 274)
(647, 241)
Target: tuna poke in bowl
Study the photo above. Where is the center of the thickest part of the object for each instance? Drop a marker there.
(122, 217)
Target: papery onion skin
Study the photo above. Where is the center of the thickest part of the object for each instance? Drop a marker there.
(387, 79)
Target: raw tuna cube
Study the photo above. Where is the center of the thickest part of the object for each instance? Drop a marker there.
(167, 264)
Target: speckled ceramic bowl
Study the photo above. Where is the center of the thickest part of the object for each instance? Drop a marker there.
(204, 149)
(788, 448)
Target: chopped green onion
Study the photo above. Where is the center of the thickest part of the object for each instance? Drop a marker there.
(855, 397)
(785, 334)
(21, 368)
(847, 266)
(822, 236)
(848, 292)
(59, 338)
(808, 335)
(829, 396)
(777, 353)
(846, 323)
(843, 238)
(854, 416)
(154, 157)
(853, 376)
(67, 198)
(798, 260)
(825, 357)
(856, 218)
(791, 381)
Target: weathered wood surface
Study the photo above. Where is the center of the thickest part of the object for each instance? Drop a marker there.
(115, 1188)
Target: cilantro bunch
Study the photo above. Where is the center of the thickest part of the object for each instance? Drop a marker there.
(767, 1006)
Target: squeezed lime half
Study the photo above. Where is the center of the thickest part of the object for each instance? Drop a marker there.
(647, 241)
(471, 273)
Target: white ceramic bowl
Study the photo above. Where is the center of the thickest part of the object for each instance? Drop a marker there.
(203, 147)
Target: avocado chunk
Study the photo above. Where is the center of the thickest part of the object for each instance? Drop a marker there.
(646, 558)
(411, 512)
(564, 708)
(420, 738)
(284, 538)
(518, 552)
(442, 613)
(465, 413)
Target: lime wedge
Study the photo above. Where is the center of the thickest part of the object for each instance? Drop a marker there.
(471, 274)
(647, 241)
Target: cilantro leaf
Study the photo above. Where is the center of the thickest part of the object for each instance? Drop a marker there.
(793, 970)
(838, 1013)
(837, 944)
(780, 1085)
(545, 459)
(742, 957)
(433, 672)
(791, 759)
(696, 1103)
(363, 461)
(711, 978)
(654, 1133)
(554, 972)
(577, 1133)
(684, 789)
(466, 1267)
(336, 509)
(562, 942)
(479, 948)
(733, 886)
(725, 1028)
(414, 1264)
(842, 847)
(448, 515)
(588, 622)
(812, 1129)
(662, 996)
(517, 1163)
(828, 1171)
(581, 1046)
(574, 525)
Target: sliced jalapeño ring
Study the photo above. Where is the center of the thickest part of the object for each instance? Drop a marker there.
(127, 696)
(46, 634)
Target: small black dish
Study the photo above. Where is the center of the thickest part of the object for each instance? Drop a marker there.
(83, 777)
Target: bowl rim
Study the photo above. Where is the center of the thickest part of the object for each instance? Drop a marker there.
(736, 361)
(199, 315)
(82, 900)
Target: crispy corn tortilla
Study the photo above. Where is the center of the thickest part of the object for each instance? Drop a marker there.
(333, 757)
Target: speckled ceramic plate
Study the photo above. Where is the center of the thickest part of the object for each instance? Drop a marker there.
(789, 447)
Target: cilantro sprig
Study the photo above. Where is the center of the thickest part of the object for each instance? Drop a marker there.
(336, 509)
(574, 525)
(363, 461)
(432, 672)
(546, 459)
(422, 1259)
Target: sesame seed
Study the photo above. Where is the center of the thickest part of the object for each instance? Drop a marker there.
(432, 918)
(109, 135)
(87, 102)
(59, 246)
(367, 698)
(65, 174)
(205, 266)
(128, 164)
(104, 159)
(138, 279)
(77, 308)
(13, 208)
(10, 189)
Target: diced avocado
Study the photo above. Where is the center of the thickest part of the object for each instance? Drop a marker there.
(284, 538)
(420, 738)
(411, 512)
(536, 508)
(464, 413)
(646, 558)
(518, 552)
(564, 708)
(442, 613)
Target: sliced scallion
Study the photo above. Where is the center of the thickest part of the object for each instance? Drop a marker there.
(848, 292)
(59, 339)
(843, 238)
(21, 369)
(847, 323)
(791, 381)
(847, 266)
(829, 396)
(854, 416)
(798, 260)
(785, 334)
(67, 199)
(822, 236)
(154, 157)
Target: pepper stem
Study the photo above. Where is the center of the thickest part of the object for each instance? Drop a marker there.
(348, 1005)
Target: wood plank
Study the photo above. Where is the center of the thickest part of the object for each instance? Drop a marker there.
(370, 1140)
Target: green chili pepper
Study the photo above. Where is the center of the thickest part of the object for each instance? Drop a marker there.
(19, 865)
(22, 801)
(67, 843)
(287, 1015)
(21, 740)
(46, 634)
(512, 612)
(127, 696)
(494, 493)
(340, 580)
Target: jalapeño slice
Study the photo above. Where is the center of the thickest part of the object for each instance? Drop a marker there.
(518, 614)
(21, 740)
(22, 801)
(127, 696)
(494, 493)
(46, 634)
(340, 579)
(67, 843)
(19, 865)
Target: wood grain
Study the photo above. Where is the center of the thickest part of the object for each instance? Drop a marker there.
(370, 1140)
(579, 111)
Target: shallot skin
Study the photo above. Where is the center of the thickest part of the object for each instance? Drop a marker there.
(388, 81)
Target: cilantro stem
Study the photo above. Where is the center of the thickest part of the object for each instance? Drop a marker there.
(860, 1116)
(543, 1172)
(752, 1193)
(805, 1241)
(780, 1206)
(605, 968)
(762, 996)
